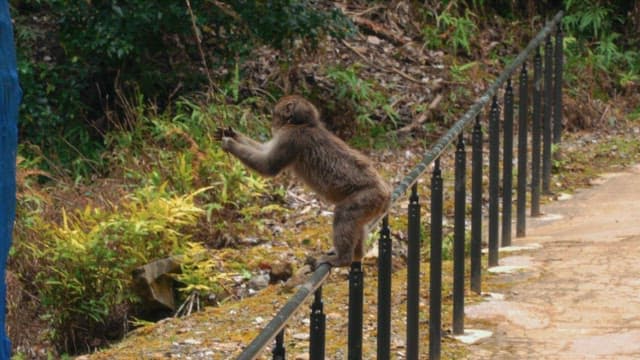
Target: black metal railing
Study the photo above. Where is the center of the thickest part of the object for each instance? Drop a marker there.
(546, 127)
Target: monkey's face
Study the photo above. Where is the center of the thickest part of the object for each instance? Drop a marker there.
(294, 110)
(279, 117)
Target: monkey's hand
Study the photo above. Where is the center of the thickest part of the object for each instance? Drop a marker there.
(222, 132)
(227, 143)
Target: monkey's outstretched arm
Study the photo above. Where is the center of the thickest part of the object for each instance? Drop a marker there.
(238, 136)
(271, 158)
(244, 139)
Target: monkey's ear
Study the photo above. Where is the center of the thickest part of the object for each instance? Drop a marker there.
(294, 114)
(288, 112)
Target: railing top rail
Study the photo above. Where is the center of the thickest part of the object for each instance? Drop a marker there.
(280, 319)
(322, 272)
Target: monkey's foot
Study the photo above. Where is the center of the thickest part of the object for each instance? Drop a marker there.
(299, 277)
(333, 259)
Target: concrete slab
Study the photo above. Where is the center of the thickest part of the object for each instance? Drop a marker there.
(506, 269)
(492, 296)
(564, 197)
(473, 336)
(515, 248)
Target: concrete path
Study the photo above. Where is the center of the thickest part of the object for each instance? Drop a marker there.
(580, 296)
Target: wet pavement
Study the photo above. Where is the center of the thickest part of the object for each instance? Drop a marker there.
(577, 295)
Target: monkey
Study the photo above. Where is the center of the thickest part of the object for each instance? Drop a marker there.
(336, 172)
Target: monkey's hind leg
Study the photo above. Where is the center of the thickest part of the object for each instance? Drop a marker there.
(348, 234)
(345, 238)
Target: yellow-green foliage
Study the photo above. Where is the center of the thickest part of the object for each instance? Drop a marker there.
(200, 272)
(180, 188)
(181, 151)
(86, 261)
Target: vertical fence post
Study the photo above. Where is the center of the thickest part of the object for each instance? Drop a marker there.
(435, 276)
(546, 126)
(536, 128)
(459, 238)
(523, 105)
(413, 276)
(557, 112)
(494, 185)
(507, 165)
(278, 352)
(384, 291)
(355, 311)
(317, 327)
(476, 208)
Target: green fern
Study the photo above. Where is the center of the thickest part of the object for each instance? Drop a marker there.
(459, 28)
(589, 18)
(607, 52)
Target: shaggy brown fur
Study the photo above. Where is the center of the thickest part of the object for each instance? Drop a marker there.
(336, 172)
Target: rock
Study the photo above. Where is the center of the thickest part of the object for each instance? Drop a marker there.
(250, 241)
(564, 197)
(259, 281)
(191, 342)
(154, 285)
(277, 230)
(373, 40)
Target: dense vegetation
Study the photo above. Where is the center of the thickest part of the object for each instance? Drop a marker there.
(117, 163)
(104, 50)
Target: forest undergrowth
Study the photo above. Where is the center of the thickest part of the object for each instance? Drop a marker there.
(160, 186)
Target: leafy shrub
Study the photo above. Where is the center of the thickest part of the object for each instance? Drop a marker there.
(461, 28)
(184, 189)
(362, 96)
(590, 18)
(199, 271)
(596, 39)
(454, 31)
(179, 150)
(76, 55)
(52, 114)
(280, 23)
(85, 262)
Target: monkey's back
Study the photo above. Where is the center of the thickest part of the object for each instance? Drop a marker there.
(330, 167)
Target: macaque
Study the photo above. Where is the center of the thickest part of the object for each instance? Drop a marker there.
(326, 164)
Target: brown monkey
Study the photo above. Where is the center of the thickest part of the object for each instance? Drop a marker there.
(338, 173)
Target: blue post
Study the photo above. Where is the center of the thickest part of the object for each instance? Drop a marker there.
(10, 95)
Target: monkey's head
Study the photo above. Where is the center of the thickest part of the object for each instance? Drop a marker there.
(294, 110)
